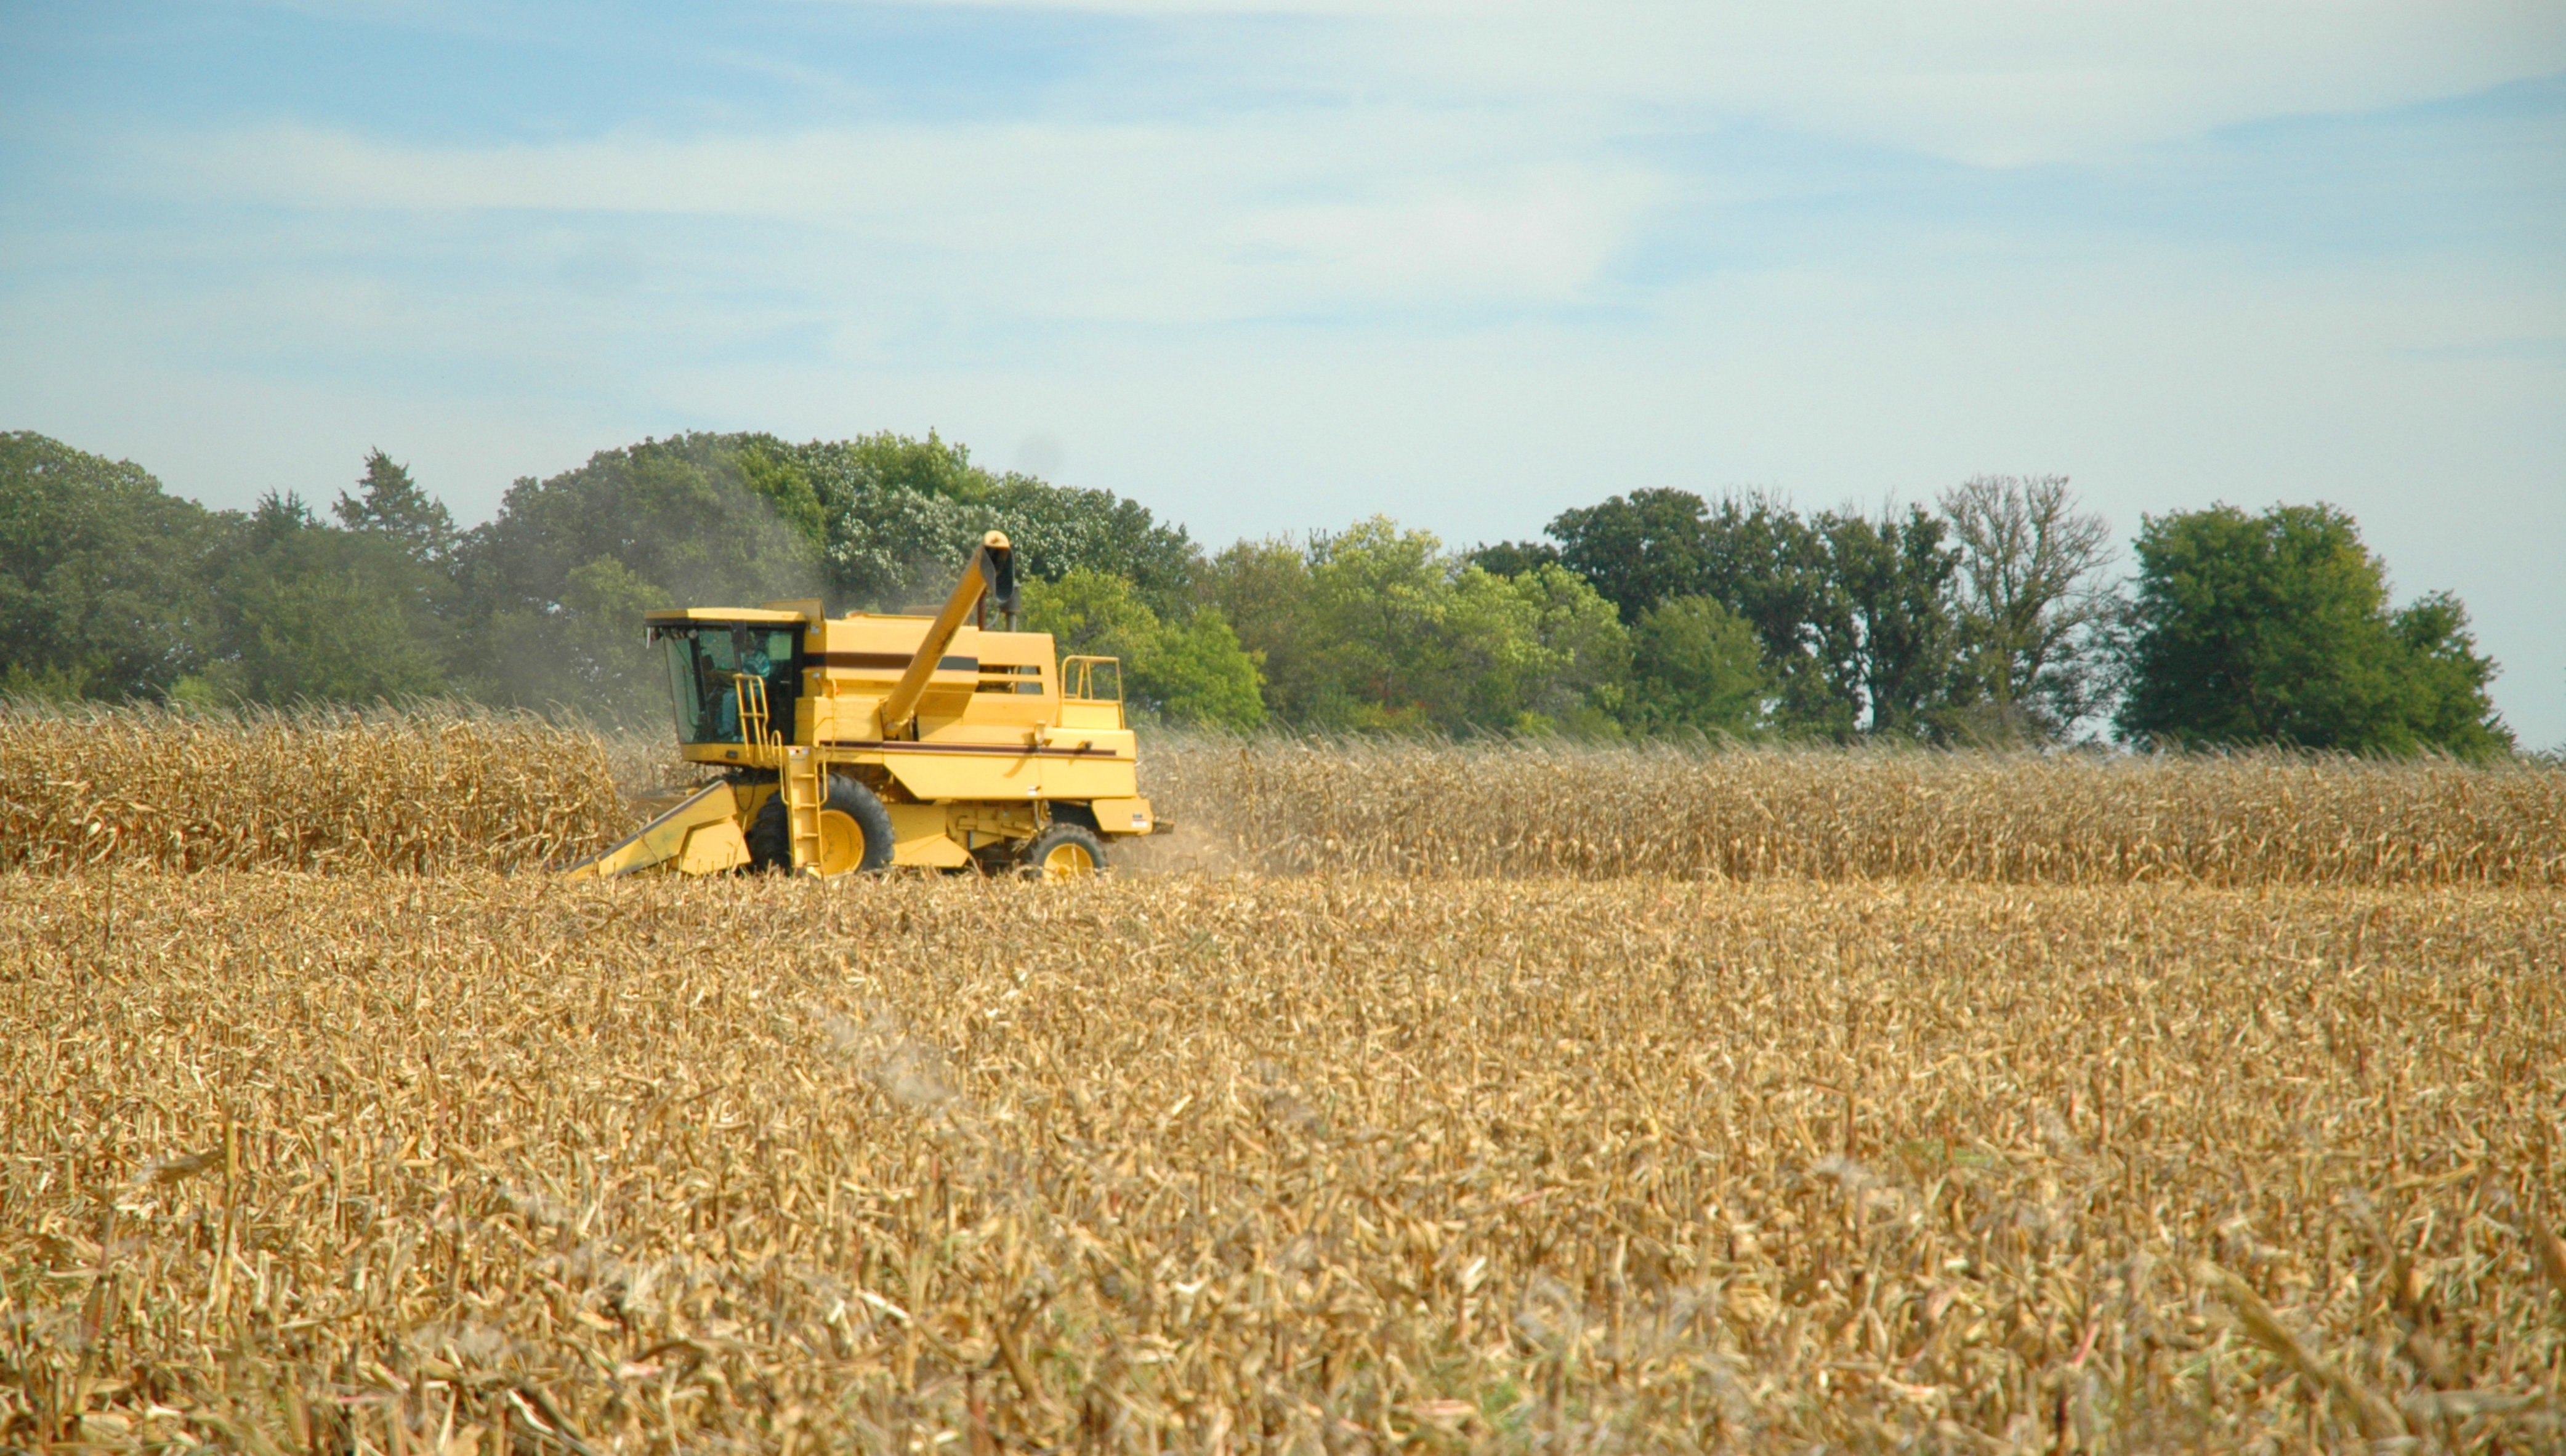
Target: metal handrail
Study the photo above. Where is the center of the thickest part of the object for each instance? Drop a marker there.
(1078, 679)
(749, 692)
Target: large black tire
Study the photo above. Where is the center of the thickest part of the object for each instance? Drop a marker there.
(1056, 851)
(770, 843)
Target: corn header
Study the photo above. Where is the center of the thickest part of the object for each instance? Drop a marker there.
(853, 743)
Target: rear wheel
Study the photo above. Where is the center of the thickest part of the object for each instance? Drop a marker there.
(1063, 851)
(855, 834)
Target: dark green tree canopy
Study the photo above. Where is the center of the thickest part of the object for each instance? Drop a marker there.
(1638, 549)
(680, 513)
(309, 611)
(1853, 615)
(1885, 627)
(1653, 611)
(103, 576)
(1194, 672)
(880, 523)
(895, 517)
(1698, 665)
(558, 579)
(1513, 558)
(2275, 629)
(1262, 589)
(391, 505)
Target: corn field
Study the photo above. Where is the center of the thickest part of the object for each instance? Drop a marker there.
(422, 791)
(442, 788)
(1479, 1097)
(1472, 811)
(392, 1164)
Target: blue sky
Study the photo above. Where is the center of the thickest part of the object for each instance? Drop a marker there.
(1270, 267)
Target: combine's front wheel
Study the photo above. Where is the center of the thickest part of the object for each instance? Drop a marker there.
(856, 833)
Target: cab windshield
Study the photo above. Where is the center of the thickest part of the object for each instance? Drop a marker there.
(706, 662)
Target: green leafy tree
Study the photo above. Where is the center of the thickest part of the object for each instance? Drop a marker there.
(883, 522)
(311, 613)
(1774, 571)
(1090, 614)
(1755, 557)
(1575, 676)
(105, 586)
(1192, 672)
(1395, 633)
(1696, 665)
(897, 516)
(1886, 630)
(681, 522)
(392, 505)
(2446, 701)
(1379, 595)
(1198, 672)
(1637, 549)
(774, 473)
(2274, 629)
(1262, 589)
(1513, 558)
(590, 653)
(1059, 528)
(1486, 660)
(680, 514)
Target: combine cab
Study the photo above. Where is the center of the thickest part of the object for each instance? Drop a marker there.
(857, 742)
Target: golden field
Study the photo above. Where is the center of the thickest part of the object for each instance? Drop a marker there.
(399, 1164)
(438, 790)
(1501, 808)
(426, 789)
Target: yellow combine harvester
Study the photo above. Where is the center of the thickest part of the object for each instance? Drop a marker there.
(863, 741)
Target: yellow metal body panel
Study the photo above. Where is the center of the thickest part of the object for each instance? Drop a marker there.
(995, 773)
(767, 613)
(1090, 763)
(721, 755)
(668, 839)
(713, 849)
(1123, 815)
(980, 823)
(922, 831)
(835, 720)
(1089, 778)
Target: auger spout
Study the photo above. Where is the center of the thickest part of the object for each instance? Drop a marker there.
(992, 570)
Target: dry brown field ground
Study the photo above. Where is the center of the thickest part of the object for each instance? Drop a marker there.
(351, 1143)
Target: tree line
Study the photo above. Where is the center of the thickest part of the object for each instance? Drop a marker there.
(1992, 616)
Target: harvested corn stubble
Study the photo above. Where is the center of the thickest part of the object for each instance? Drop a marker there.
(402, 1164)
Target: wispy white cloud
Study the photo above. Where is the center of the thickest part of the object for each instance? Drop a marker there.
(1245, 218)
(1984, 81)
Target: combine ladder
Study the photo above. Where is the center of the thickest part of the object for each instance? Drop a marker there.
(803, 793)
